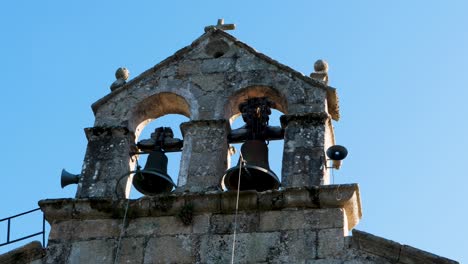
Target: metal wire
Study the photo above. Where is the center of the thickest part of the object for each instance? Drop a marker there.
(122, 230)
(237, 208)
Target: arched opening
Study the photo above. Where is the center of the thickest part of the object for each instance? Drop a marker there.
(160, 110)
(170, 120)
(275, 147)
(277, 105)
(155, 106)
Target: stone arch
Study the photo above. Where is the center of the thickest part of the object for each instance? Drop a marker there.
(231, 109)
(156, 106)
(149, 109)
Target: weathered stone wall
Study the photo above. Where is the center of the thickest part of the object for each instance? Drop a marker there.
(107, 160)
(287, 236)
(289, 226)
(295, 225)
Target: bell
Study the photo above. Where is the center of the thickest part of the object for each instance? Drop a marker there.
(153, 179)
(255, 173)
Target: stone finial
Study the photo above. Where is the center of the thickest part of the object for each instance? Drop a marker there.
(121, 75)
(220, 25)
(321, 66)
(320, 71)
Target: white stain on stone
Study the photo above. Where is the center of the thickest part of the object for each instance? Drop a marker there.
(98, 165)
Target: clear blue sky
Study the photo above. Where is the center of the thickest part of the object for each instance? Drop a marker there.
(401, 70)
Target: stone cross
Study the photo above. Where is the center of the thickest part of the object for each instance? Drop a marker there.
(220, 25)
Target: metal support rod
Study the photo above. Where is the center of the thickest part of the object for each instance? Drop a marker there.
(19, 239)
(8, 219)
(43, 230)
(30, 211)
(8, 230)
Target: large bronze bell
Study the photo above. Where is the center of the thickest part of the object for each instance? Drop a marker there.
(153, 179)
(255, 173)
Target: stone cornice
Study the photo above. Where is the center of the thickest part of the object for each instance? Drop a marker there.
(344, 196)
(393, 251)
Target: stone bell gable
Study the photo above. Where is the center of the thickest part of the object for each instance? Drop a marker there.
(206, 81)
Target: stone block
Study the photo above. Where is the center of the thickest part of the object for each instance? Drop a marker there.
(75, 230)
(163, 205)
(166, 225)
(305, 134)
(171, 249)
(57, 252)
(203, 202)
(217, 65)
(298, 197)
(201, 224)
(57, 209)
(93, 208)
(225, 224)
(331, 242)
(411, 255)
(281, 220)
(304, 167)
(188, 67)
(292, 219)
(250, 247)
(247, 201)
(157, 226)
(131, 250)
(62, 230)
(376, 245)
(93, 251)
(251, 63)
(213, 83)
(325, 218)
(271, 200)
(297, 246)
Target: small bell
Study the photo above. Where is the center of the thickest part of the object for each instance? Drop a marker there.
(153, 179)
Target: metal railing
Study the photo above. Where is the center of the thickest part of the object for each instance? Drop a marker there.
(8, 219)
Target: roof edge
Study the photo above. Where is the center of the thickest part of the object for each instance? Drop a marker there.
(24, 254)
(393, 251)
(178, 54)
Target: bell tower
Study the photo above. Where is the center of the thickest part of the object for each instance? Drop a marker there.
(215, 212)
